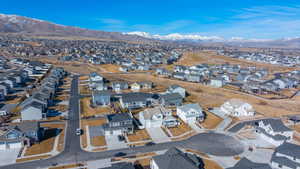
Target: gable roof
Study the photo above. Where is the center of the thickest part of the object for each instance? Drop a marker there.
(289, 149)
(244, 163)
(121, 166)
(276, 124)
(187, 107)
(176, 159)
(118, 117)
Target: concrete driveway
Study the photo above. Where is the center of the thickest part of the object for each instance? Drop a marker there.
(195, 127)
(113, 142)
(9, 156)
(158, 135)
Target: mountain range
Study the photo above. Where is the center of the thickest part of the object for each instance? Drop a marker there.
(26, 25)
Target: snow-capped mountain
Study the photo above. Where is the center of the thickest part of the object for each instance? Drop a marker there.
(177, 36)
(21, 24)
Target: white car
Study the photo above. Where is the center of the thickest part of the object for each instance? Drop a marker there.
(78, 132)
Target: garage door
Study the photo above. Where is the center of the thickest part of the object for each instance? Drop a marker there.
(15, 145)
(2, 146)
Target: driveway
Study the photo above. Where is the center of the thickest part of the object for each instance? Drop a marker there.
(9, 156)
(158, 135)
(113, 142)
(195, 127)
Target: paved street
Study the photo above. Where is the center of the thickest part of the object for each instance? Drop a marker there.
(211, 143)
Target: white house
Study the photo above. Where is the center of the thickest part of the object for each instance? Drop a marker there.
(190, 113)
(274, 131)
(33, 111)
(177, 89)
(95, 77)
(235, 107)
(157, 117)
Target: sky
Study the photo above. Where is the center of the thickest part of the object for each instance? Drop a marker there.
(250, 19)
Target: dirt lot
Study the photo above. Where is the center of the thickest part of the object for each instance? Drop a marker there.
(46, 145)
(98, 141)
(87, 110)
(84, 89)
(139, 135)
(91, 122)
(110, 68)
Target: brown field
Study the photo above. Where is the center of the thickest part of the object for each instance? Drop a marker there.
(209, 164)
(139, 135)
(92, 122)
(181, 129)
(87, 110)
(47, 144)
(98, 141)
(211, 121)
(208, 96)
(32, 158)
(110, 68)
(84, 89)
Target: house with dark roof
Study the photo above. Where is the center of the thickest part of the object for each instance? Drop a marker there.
(18, 135)
(136, 100)
(176, 159)
(122, 165)
(287, 156)
(101, 98)
(274, 131)
(119, 86)
(244, 163)
(119, 124)
(171, 99)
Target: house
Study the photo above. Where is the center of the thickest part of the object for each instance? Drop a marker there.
(99, 86)
(136, 100)
(33, 111)
(135, 86)
(122, 165)
(119, 86)
(157, 117)
(4, 88)
(190, 113)
(237, 108)
(7, 109)
(177, 89)
(119, 124)
(274, 131)
(176, 159)
(287, 156)
(19, 135)
(193, 77)
(244, 163)
(95, 77)
(2, 95)
(217, 82)
(101, 98)
(171, 99)
(178, 75)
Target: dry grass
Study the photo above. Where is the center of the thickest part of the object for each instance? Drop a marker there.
(295, 127)
(209, 164)
(46, 145)
(98, 141)
(110, 68)
(67, 166)
(87, 110)
(90, 122)
(32, 158)
(179, 130)
(139, 135)
(211, 121)
(145, 163)
(60, 108)
(84, 78)
(84, 89)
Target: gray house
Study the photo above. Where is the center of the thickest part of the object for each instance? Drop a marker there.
(286, 156)
(244, 163)
(136, 100)
(101, 98)
(118, 124)
(177, 89)
(171, 99)
(33, 111)
(18, 135)
(118, 86)
(176, 159)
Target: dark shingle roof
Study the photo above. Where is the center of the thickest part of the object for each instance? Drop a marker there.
(176, 159)
(244, 163)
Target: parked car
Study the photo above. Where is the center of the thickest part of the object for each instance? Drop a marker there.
(78, 132)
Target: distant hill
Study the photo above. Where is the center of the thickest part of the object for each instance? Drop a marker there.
(20, 24)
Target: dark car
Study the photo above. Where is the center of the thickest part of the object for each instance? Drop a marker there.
(120, 154)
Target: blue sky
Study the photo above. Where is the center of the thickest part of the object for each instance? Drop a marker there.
(260, 19)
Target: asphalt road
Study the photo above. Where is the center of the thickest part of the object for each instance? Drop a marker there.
(211, 143)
